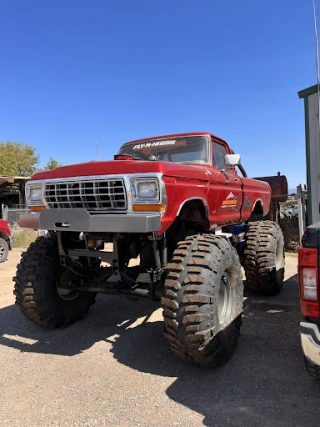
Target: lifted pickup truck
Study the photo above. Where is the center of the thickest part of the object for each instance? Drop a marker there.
(5, 242)
(308, 267)
(179, 203)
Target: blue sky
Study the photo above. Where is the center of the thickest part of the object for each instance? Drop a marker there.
(78, 73)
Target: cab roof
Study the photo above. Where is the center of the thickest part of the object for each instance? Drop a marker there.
(176, 135)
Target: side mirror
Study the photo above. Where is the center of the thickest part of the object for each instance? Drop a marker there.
(232, 159)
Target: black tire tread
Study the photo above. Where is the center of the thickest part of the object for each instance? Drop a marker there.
(312, 368)
(259, 258)
(189, 326)
(6, 249)
(30, 279)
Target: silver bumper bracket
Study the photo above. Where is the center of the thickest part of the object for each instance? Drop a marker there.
(310, 341)
(80, 220)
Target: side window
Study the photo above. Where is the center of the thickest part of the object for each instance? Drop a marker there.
(218, 153)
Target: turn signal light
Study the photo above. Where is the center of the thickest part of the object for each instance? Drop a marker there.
(149, 207)
(308, 280)
(37, 208)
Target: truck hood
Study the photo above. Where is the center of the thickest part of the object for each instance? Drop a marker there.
(121, 167)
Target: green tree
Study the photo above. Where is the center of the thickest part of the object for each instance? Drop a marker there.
(17, 159)
(52, 164)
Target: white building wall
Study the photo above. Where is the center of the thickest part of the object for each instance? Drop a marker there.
(314, 135)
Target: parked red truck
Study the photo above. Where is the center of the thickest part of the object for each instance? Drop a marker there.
(308, 268)
(178, 202)
(5, 240)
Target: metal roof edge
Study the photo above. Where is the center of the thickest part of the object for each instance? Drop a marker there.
(308, 91)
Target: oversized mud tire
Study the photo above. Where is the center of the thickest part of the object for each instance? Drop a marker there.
(312, 368)
(203, 300)
(36, 288)
(264, 258)
(4, 250)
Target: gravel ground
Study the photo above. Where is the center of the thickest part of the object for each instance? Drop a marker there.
(115, 369)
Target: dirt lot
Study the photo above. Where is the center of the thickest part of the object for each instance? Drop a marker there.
(115, 369)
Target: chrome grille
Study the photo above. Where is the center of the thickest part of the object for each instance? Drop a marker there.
(105, 195)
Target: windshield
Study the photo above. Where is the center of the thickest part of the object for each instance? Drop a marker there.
(190, 149)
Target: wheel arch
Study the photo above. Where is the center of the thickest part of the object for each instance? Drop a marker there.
(258, 207)
(190, 209)
(4, 235)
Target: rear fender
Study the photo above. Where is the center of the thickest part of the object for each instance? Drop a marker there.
(258, 208)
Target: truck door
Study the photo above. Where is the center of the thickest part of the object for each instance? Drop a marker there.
(225, 192)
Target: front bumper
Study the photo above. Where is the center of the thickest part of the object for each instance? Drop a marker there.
(310, 341)
(80, 220)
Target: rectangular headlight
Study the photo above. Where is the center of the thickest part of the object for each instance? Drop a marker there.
(145, 190)
(34, 195)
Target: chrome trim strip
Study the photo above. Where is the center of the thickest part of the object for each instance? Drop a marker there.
(310, 347)
(312, 326)
(96, 177)
(126, 178)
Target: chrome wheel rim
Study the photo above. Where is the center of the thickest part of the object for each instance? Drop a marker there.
(224, 299)
(61, 285)
(279, 258)
(2, 250)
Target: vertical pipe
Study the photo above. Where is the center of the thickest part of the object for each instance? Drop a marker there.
(156, 253)
(164, 252)
(301, 213)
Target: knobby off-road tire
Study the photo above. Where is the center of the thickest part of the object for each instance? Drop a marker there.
(202, 323)
(36, 288)
(264, 258)
(4, 250)
(313, 369)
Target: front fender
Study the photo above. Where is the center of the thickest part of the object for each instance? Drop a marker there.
(179, 193)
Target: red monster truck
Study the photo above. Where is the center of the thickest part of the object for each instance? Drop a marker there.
(5, 240)
(178, 202)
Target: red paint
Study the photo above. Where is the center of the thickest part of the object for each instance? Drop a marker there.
(184, 182)
(310, 309)
(308, 258)
(4, 227)
(169, 180)
(29, 221)
(122, 157)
